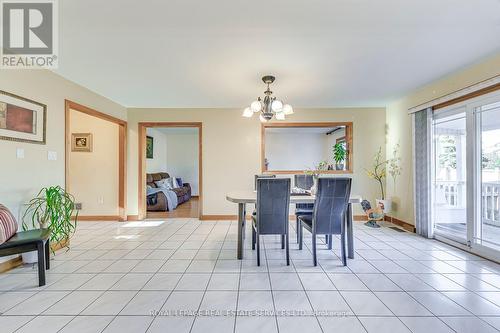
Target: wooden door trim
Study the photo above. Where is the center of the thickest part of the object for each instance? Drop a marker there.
(122, 150)
(142, 126)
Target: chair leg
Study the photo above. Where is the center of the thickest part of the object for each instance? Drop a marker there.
(326, 239)
(330, 241)
(41, 264)
(287, 241)
(253, 238)
(313, 236)
(301, 235)
(282, 242)
(47, 254)
(297, 228)
(258, 249)
(342, 247)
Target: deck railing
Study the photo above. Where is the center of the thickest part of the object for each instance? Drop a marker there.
(454, 194)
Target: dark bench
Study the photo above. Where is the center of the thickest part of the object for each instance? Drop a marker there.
(27, 241)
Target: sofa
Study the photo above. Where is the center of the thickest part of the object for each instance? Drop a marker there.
(158, 202)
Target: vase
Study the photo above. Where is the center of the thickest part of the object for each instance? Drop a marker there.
(314, 188)
(385, 204)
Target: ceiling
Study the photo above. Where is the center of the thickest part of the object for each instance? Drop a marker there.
(324, 53)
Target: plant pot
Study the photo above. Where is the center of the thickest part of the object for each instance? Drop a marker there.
(385, 204)
(30, 257)
(339, 166)
(314, 188)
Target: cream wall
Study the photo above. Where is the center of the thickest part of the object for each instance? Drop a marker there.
(399, 127)
(93, 176)
(231, 148)
(159, 161)
(20, 179)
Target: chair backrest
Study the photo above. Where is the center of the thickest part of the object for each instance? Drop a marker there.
(332, 197)
(273, 205)
(263, 177)
(303, 181)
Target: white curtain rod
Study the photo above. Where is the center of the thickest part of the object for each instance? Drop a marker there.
(456, 94)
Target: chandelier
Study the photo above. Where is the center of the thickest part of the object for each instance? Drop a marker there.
(268, 107)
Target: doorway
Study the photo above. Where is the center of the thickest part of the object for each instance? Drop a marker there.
(170, 170)
(89, 136)
(466, 174)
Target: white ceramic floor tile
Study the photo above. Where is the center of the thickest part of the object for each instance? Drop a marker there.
(129, 324)
(426, 325)
(87, 324)
(365, 303)
(402, 304)
(145, 303)
(109, 303)
(383, 324)
(11, 323)
(341, 325)
(45, 324)
(468, 324)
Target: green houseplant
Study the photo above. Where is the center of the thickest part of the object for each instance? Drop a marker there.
(52, 208)
(339, 155)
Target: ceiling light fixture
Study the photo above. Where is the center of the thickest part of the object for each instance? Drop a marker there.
(268, 107)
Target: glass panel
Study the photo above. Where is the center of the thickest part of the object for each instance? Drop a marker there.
(489, 228)
(449, 181)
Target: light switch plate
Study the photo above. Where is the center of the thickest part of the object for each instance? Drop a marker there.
(52, 155)
(20, 152)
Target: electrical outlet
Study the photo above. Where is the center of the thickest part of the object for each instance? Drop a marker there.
(78, 205)
(100, 200)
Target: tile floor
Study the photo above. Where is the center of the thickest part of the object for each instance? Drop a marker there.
(153, 276)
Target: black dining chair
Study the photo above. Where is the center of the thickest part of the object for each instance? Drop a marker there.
(271, 217)
(304, 182)
(262, 177)
(328, 218)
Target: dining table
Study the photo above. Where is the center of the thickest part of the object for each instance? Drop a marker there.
(242, 198)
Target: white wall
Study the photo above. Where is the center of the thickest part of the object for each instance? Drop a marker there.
(93, 176)
(294, 151)
(182, 158)
(159, 161)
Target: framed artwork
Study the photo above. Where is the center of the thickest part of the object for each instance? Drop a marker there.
(149, 147)
(22, 119)
(81, 142)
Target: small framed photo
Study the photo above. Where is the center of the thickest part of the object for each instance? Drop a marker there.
(149, 147)
(81, 142)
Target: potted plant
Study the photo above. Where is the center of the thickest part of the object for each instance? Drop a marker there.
(378, 173)
(339, 155)
(52, 208)
(318, 169)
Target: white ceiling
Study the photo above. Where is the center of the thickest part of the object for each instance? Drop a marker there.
(188, 53)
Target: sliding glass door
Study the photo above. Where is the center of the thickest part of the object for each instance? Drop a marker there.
(487, 230)
(449, 178)
(466, 173)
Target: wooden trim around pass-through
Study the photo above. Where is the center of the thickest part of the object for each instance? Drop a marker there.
(142, 126)
(122, 150)
(348, 138)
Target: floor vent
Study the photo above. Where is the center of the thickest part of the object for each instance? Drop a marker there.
(397, 229)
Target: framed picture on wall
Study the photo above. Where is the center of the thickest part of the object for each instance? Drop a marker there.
(22, 119)
(149, 146)
(81, 142)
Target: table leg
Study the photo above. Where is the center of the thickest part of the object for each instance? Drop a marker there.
(350, 236)
(241, 227)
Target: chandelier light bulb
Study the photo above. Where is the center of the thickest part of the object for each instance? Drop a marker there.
(280, 116)
(256, 106)
(247, 113)
(287, 109)
(262, 119)
(277, 105)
